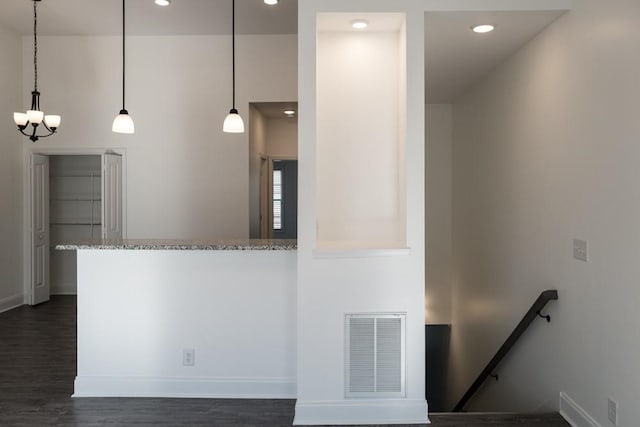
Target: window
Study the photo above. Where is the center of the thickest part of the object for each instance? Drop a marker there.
(277, 200)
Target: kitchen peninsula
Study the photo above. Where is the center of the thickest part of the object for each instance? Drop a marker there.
(176, 318)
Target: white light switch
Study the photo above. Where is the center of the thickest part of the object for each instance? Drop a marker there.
(580, 250)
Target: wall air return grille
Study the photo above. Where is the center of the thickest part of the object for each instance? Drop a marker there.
(375, 356)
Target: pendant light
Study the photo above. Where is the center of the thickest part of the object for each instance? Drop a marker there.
(35, 116)
(123, 123)
(233, 123)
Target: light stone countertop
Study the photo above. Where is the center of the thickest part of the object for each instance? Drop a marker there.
(183, 245)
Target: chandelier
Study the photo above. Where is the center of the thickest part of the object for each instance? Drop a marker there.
(36, 117)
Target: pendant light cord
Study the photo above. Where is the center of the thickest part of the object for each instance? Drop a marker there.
(35, 46)
(123, 53)
(233, 49)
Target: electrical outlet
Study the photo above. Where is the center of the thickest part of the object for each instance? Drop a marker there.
(581, 250)
(613, 411)
(188, 357)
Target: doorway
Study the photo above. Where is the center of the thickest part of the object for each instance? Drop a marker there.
(71, 198)
(273, 170)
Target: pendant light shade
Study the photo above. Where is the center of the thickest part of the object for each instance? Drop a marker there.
(233, 123)
(35, 116)
(123, 123)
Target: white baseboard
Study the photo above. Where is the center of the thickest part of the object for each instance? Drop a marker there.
(361, 411)
(184, 387)
(13, 301)
(574, 414)
(64, 289)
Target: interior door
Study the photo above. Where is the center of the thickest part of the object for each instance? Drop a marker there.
(111, 196)
(40, 286)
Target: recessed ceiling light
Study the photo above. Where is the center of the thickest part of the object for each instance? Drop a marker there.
(484, 28)
(163, 2)
(271, 2)
(289, 112)
(360, 24)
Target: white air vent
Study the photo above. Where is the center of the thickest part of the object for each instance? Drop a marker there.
(375, 357)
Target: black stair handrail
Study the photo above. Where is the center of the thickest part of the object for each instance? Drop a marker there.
(534, 311)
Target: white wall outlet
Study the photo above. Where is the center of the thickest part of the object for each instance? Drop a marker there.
(188, 357)
(581, 250)
(613, 411)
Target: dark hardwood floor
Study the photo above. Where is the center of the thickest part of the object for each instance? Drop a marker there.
(38, 365)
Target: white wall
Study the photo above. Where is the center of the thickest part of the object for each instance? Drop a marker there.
(185, 177)
(546, 150)
(438, 151)
(11, 144)
(235, 309)
(332, 283)
(359, 133)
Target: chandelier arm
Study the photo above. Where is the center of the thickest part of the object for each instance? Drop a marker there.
(22, 129)
(44, 136)
(48, 128)
(34, 137)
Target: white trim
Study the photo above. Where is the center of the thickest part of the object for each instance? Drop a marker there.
(360, 253)
(27, 153)
(64, 289)
(574, 414)
(361, 411)
(185, 387)
(11, 302)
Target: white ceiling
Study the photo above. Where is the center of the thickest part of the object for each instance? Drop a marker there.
(456, 58)
(331, 22)
(275, 110)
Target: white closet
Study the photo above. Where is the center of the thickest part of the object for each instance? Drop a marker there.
(84, 203)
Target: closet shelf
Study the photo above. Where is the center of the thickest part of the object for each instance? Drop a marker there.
(75, 199)
(71, 222)
(78, 175)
